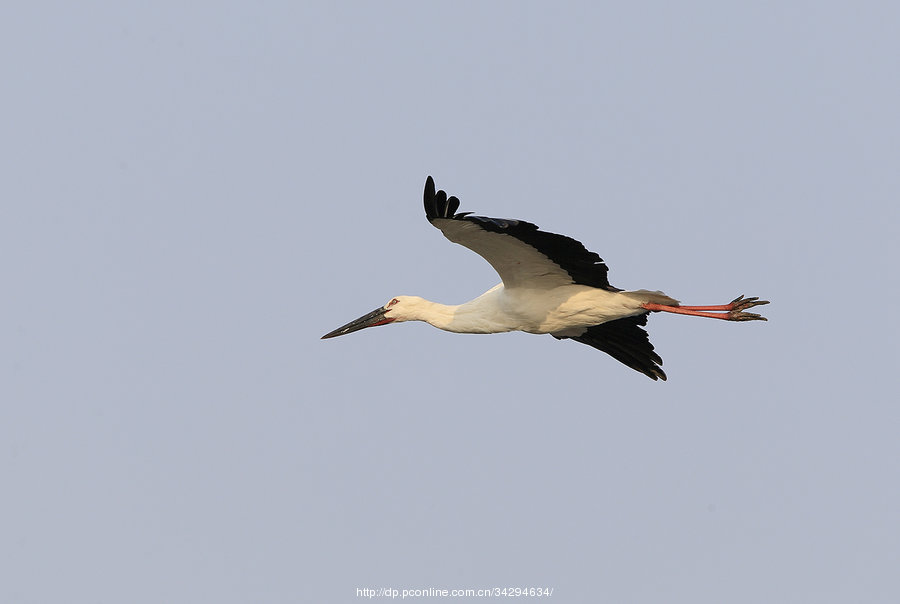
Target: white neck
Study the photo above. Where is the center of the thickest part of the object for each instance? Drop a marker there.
(433, 313)
(476, 316)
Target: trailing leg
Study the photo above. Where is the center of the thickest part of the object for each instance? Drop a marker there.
(733, 311)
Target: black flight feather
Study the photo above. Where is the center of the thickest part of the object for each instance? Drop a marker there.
(625, 341)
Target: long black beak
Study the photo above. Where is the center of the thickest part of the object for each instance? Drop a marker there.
(376, 317)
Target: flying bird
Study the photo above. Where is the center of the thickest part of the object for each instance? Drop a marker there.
(550, 284)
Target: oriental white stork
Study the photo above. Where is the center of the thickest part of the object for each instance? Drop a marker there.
(551, 284)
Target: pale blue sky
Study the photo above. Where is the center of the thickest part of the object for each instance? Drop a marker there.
(194, 192)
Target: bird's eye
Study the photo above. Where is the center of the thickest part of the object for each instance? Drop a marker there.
(392, 302)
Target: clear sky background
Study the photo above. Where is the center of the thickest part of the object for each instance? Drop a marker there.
(193, 193)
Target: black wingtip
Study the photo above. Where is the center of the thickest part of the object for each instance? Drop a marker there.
(452, 206)
(430, 210)
(437, 204)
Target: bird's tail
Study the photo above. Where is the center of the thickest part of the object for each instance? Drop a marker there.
(656, 297)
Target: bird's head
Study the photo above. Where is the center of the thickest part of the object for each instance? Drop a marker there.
(400, 308)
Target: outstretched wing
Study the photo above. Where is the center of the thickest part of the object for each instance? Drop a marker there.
(521, 254)
(626, 341)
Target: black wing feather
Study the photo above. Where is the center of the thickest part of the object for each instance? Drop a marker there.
(626, 341)
(583, 266)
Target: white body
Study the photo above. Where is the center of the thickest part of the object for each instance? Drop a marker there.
(563, 310)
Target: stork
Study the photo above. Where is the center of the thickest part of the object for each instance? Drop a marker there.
(550, 284)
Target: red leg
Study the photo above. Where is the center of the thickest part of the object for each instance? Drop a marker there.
(719, 307)
(734, 310)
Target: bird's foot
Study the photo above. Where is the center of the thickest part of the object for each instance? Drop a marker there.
(740, 304)
(738, 315)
